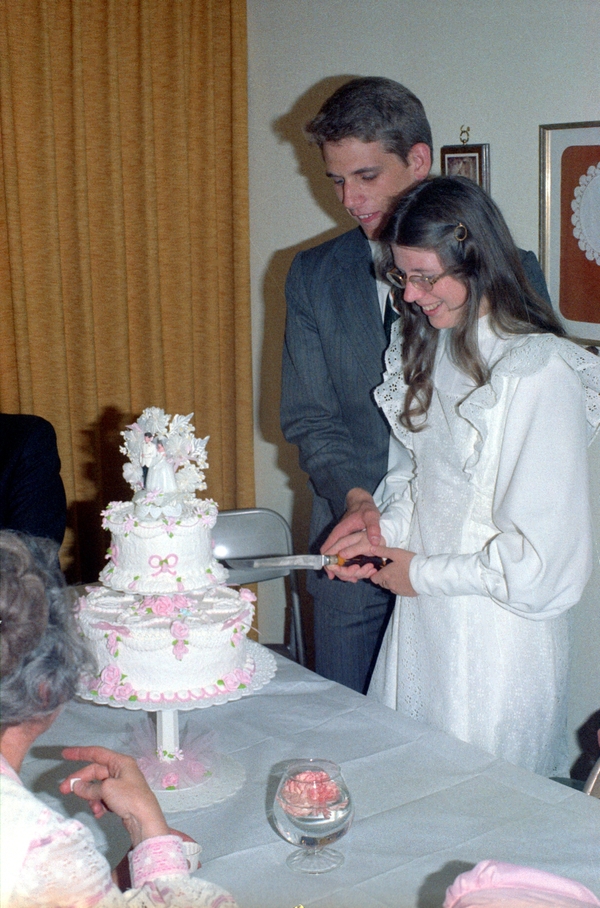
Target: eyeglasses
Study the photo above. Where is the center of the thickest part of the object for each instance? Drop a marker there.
(398, 279)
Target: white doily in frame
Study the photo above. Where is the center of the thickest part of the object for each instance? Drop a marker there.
(586, 213)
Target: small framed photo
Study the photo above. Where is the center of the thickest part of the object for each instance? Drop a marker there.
(472, 161)
(570, 223)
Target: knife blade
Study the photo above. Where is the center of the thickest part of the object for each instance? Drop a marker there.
(299, 562)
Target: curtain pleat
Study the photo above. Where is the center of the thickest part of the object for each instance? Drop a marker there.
(124, 236)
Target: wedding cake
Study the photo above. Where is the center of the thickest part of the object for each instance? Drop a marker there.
(163, 626)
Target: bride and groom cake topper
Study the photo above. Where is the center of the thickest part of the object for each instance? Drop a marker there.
(165, 462)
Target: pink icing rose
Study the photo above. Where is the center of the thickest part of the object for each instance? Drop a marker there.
(111, 642)
(161, 605)
(310, 794)
(181, 602)
(247, 595)
(242, 676)
(179, 650)
(180, 630)
(109, 678)
(229, 682)
(111, 674)
(128, 524)
(236, 638)
(124, 691)
(170, 780)
(106, 689)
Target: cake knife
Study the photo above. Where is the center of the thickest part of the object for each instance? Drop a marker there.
(300, 562)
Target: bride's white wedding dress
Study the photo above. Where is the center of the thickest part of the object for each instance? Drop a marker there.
(498, 514)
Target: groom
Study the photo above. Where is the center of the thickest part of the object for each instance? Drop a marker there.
(376, 142)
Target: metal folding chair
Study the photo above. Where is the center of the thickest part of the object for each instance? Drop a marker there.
(592, 785)
(255, 533)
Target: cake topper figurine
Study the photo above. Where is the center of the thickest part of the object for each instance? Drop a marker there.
(166, 460)
(146, 455)
(160, 475)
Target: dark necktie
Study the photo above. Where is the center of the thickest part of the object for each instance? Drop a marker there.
(389, 317)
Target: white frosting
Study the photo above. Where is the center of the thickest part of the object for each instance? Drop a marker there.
(162, 555)
(162, 628)
(167, 648)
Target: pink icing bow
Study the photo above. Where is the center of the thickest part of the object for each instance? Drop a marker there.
(164, 565)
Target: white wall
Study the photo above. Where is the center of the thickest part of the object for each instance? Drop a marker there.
(501, 67)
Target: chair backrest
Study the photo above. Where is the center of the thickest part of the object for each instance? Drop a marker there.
(252, 533)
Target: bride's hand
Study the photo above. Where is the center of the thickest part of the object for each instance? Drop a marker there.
(395, 575)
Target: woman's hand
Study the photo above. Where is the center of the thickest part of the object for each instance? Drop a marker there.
(113, 781)
(395, 575)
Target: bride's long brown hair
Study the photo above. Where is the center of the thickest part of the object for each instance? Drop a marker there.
(486, 261)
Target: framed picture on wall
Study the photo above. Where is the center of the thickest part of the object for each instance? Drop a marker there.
(570, 223)
(472, 161)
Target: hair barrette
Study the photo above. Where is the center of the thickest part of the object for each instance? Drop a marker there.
(460, 232)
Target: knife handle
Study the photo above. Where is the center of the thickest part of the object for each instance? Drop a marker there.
(361, 560)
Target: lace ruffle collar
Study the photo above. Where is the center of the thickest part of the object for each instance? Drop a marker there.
(522, 355)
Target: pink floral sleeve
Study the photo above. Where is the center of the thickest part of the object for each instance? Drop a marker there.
(56, 863)
(161, 856)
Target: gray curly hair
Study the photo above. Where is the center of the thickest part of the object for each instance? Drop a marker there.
(41, 653)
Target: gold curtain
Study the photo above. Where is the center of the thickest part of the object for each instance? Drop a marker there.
(124, 251)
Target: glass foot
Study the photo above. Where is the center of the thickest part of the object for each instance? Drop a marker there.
(311, 861)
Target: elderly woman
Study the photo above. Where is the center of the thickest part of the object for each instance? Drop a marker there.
(47, 859)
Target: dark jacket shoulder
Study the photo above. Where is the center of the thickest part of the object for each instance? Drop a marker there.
(32, 495)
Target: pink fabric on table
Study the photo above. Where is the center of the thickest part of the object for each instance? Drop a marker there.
(492, 884)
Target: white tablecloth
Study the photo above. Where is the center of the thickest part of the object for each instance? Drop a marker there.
(427, 806)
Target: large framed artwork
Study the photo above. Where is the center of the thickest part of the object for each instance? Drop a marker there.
(570, 223)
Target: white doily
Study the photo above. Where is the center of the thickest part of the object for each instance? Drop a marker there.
(227, 777)
(586, 214)
(266, 667)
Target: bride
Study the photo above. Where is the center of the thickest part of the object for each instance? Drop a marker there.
(489, 534)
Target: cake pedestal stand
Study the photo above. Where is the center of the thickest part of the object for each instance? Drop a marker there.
(226, 775)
